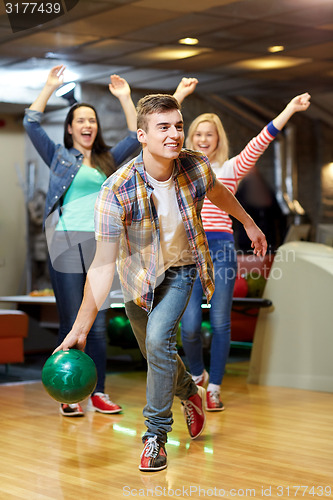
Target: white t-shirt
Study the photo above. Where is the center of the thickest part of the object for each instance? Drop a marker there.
(174, 247)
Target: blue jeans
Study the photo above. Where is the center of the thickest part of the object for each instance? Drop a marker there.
(68, 290)
(156, 336)
(225, 268)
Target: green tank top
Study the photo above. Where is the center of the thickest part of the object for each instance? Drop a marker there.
(77, 211)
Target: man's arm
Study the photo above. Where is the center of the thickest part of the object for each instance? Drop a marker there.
(98, 284)
(226, 201)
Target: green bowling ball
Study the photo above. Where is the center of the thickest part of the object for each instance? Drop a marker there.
(69, 376)
(120, 332)
(256, 285)
(206, 334)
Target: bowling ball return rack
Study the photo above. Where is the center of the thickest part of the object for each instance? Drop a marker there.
(243, 320)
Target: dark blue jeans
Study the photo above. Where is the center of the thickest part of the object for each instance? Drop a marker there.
(68, 290)
(225, 268)
(156, 336)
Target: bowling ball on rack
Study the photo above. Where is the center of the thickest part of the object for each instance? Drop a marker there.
(69, 376)
(206, 334)
(256, 285)
(120, 332)
(241, 287)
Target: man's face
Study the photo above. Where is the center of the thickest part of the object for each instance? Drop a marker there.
(164, 136)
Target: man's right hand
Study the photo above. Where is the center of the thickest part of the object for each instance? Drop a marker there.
(72, 340)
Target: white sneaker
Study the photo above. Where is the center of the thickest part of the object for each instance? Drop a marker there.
(213, 401)
(201, 380)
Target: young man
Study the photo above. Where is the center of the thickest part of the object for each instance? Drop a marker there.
(147, 216)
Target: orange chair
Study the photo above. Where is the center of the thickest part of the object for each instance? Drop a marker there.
(13, 328)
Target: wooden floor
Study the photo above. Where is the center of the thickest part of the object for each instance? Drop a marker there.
(269, 442)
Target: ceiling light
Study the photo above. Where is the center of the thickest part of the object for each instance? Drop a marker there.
(188, 41)
(64, 89)
(67, 92)
(51, 55)
(275, 48)
(270, 63)
(30, 78)
(169, 53)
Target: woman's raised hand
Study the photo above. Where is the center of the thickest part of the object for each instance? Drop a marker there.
(185, 87)
(55, 77)
(119, 86)
(300, 102)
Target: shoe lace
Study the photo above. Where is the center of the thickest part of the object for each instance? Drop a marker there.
(105, 397)
(189, 408)
(151, 448)
(214, 396)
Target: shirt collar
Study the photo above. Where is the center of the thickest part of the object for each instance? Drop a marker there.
(139, 166)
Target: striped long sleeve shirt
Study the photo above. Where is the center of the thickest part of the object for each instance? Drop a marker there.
(230, 174)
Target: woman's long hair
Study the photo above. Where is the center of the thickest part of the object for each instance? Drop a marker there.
(221, 153)
(101, 157)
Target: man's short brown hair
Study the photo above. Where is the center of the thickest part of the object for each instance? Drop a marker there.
(154, 103)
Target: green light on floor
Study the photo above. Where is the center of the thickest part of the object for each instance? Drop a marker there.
(208, 450)
(124, 430)
(173, 442)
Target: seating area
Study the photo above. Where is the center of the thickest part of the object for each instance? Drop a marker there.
(13, 329)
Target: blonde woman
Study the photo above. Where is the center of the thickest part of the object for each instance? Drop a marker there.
(206, 134)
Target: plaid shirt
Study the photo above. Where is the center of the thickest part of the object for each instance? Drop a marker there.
(125, 212)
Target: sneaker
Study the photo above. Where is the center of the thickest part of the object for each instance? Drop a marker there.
(213, 401)
(71, 410)
(201, 380)
(194, 414)
(154, 456)
(101, 402)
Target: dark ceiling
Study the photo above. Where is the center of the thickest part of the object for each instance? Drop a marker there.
(139, 40)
